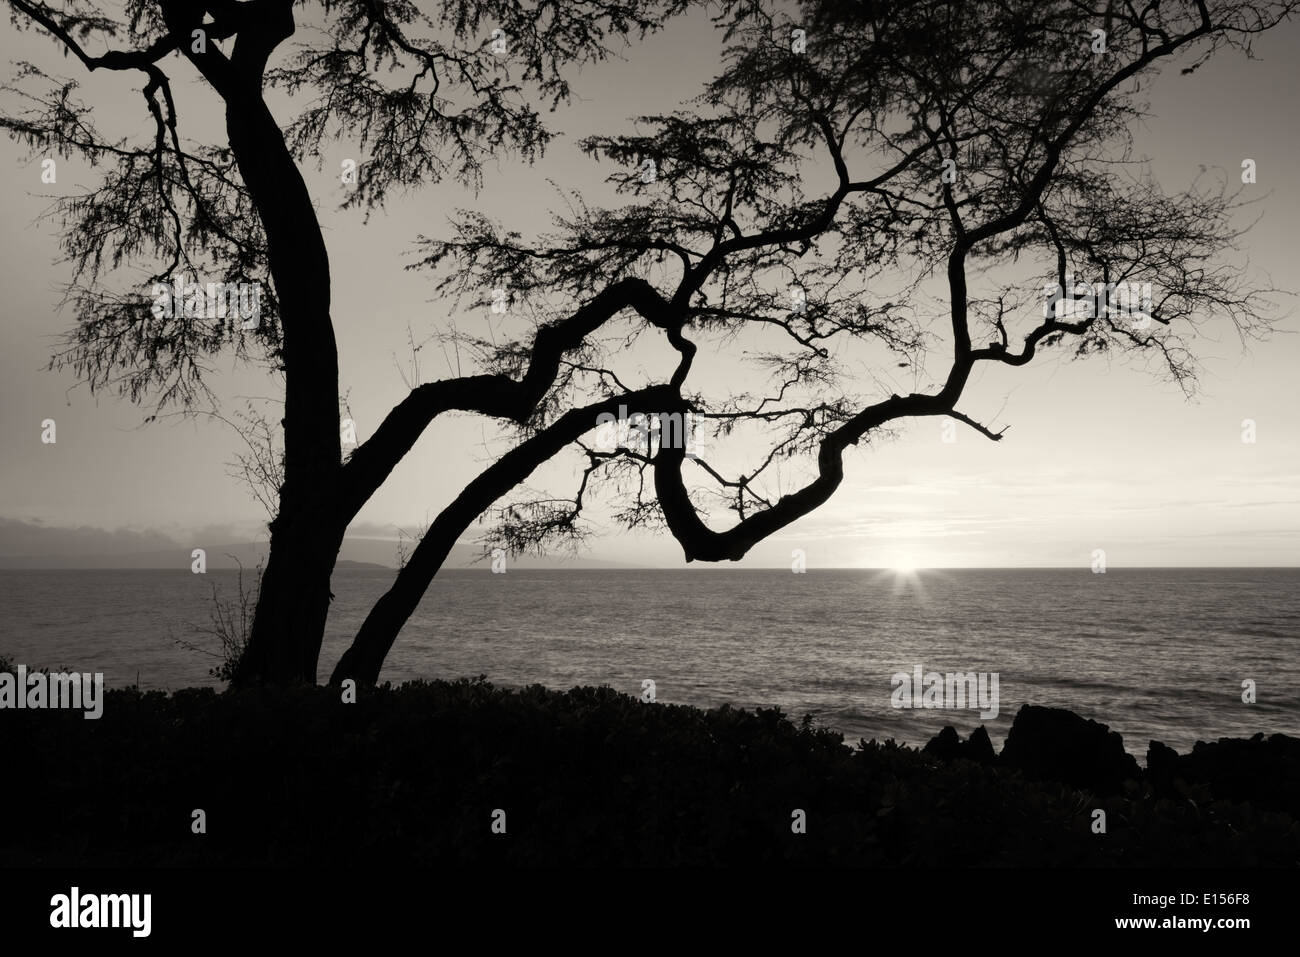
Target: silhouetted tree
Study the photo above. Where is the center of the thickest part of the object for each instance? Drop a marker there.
(863, 182)
(954, 138)
(422, 92)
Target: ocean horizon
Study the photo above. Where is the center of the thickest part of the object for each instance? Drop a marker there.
(1155, 653)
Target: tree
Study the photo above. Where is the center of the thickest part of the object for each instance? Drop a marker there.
(954, 136)
(973, 153)
(241, 210)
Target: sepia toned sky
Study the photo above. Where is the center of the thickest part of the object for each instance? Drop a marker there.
(1099, 454)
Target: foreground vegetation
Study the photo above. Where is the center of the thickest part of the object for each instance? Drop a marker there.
(413, 774)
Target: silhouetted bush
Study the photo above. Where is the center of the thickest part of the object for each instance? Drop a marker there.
(230, 623)
(590, 776)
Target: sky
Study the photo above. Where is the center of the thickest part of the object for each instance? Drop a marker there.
(1099, 454)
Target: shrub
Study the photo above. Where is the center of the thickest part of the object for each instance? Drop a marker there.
(230, 623)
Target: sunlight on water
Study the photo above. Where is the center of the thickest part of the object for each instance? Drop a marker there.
(1154, 653)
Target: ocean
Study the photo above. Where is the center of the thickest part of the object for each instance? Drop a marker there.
(1154, 653)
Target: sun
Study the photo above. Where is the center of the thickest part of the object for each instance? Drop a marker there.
(903, 563)
(902, 572)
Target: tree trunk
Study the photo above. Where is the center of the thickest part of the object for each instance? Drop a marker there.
(293, 603)
(364, 659)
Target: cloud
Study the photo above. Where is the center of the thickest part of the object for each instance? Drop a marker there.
(22, 539)
(383, 531)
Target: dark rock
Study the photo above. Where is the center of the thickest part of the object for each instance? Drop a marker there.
(979, 748)
(946, 746)
(1160, 756)
(1059, 745)
(1162, 766)
(1262, 771)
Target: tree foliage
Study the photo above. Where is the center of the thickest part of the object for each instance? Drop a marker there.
(862, 185)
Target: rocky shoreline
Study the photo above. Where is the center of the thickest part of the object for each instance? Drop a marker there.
(1055, 744)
